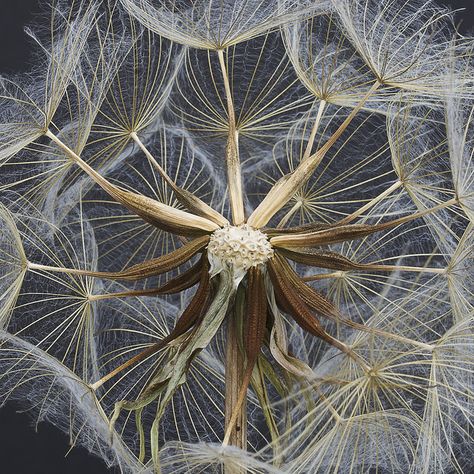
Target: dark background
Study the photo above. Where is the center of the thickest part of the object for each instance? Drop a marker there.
(47, 447)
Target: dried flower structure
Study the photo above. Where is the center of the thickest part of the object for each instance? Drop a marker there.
(238, 236)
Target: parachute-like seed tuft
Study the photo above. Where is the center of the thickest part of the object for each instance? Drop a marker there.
(237, 236)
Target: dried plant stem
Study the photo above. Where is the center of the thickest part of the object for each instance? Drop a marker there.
(50, 268)
(372, 203)
(323, 276)
(403, 268)
(138, 358)
(160, 214)
(234, 365)
(290, 214)
(377, 268)
(153, 161)
(335, 235)
(234, 177)
(314, 130)
(253, 336)
(380, 332)
(191, 202)
(125, 294)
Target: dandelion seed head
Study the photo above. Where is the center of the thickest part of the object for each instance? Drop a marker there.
(318, 151)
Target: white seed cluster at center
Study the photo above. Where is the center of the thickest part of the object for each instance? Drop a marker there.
(240, 246)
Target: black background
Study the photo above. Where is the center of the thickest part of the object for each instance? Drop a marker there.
(47, 447)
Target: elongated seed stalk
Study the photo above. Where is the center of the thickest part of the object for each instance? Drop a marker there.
(377, 268)
(350, 232)
(158, 213)
(234, 175)
(286, 218)
(314, 129)
(186, 198)
(371, 203)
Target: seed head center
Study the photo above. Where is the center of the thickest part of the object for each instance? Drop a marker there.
(240, 246)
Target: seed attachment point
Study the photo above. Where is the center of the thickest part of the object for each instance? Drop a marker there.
(240, 247)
